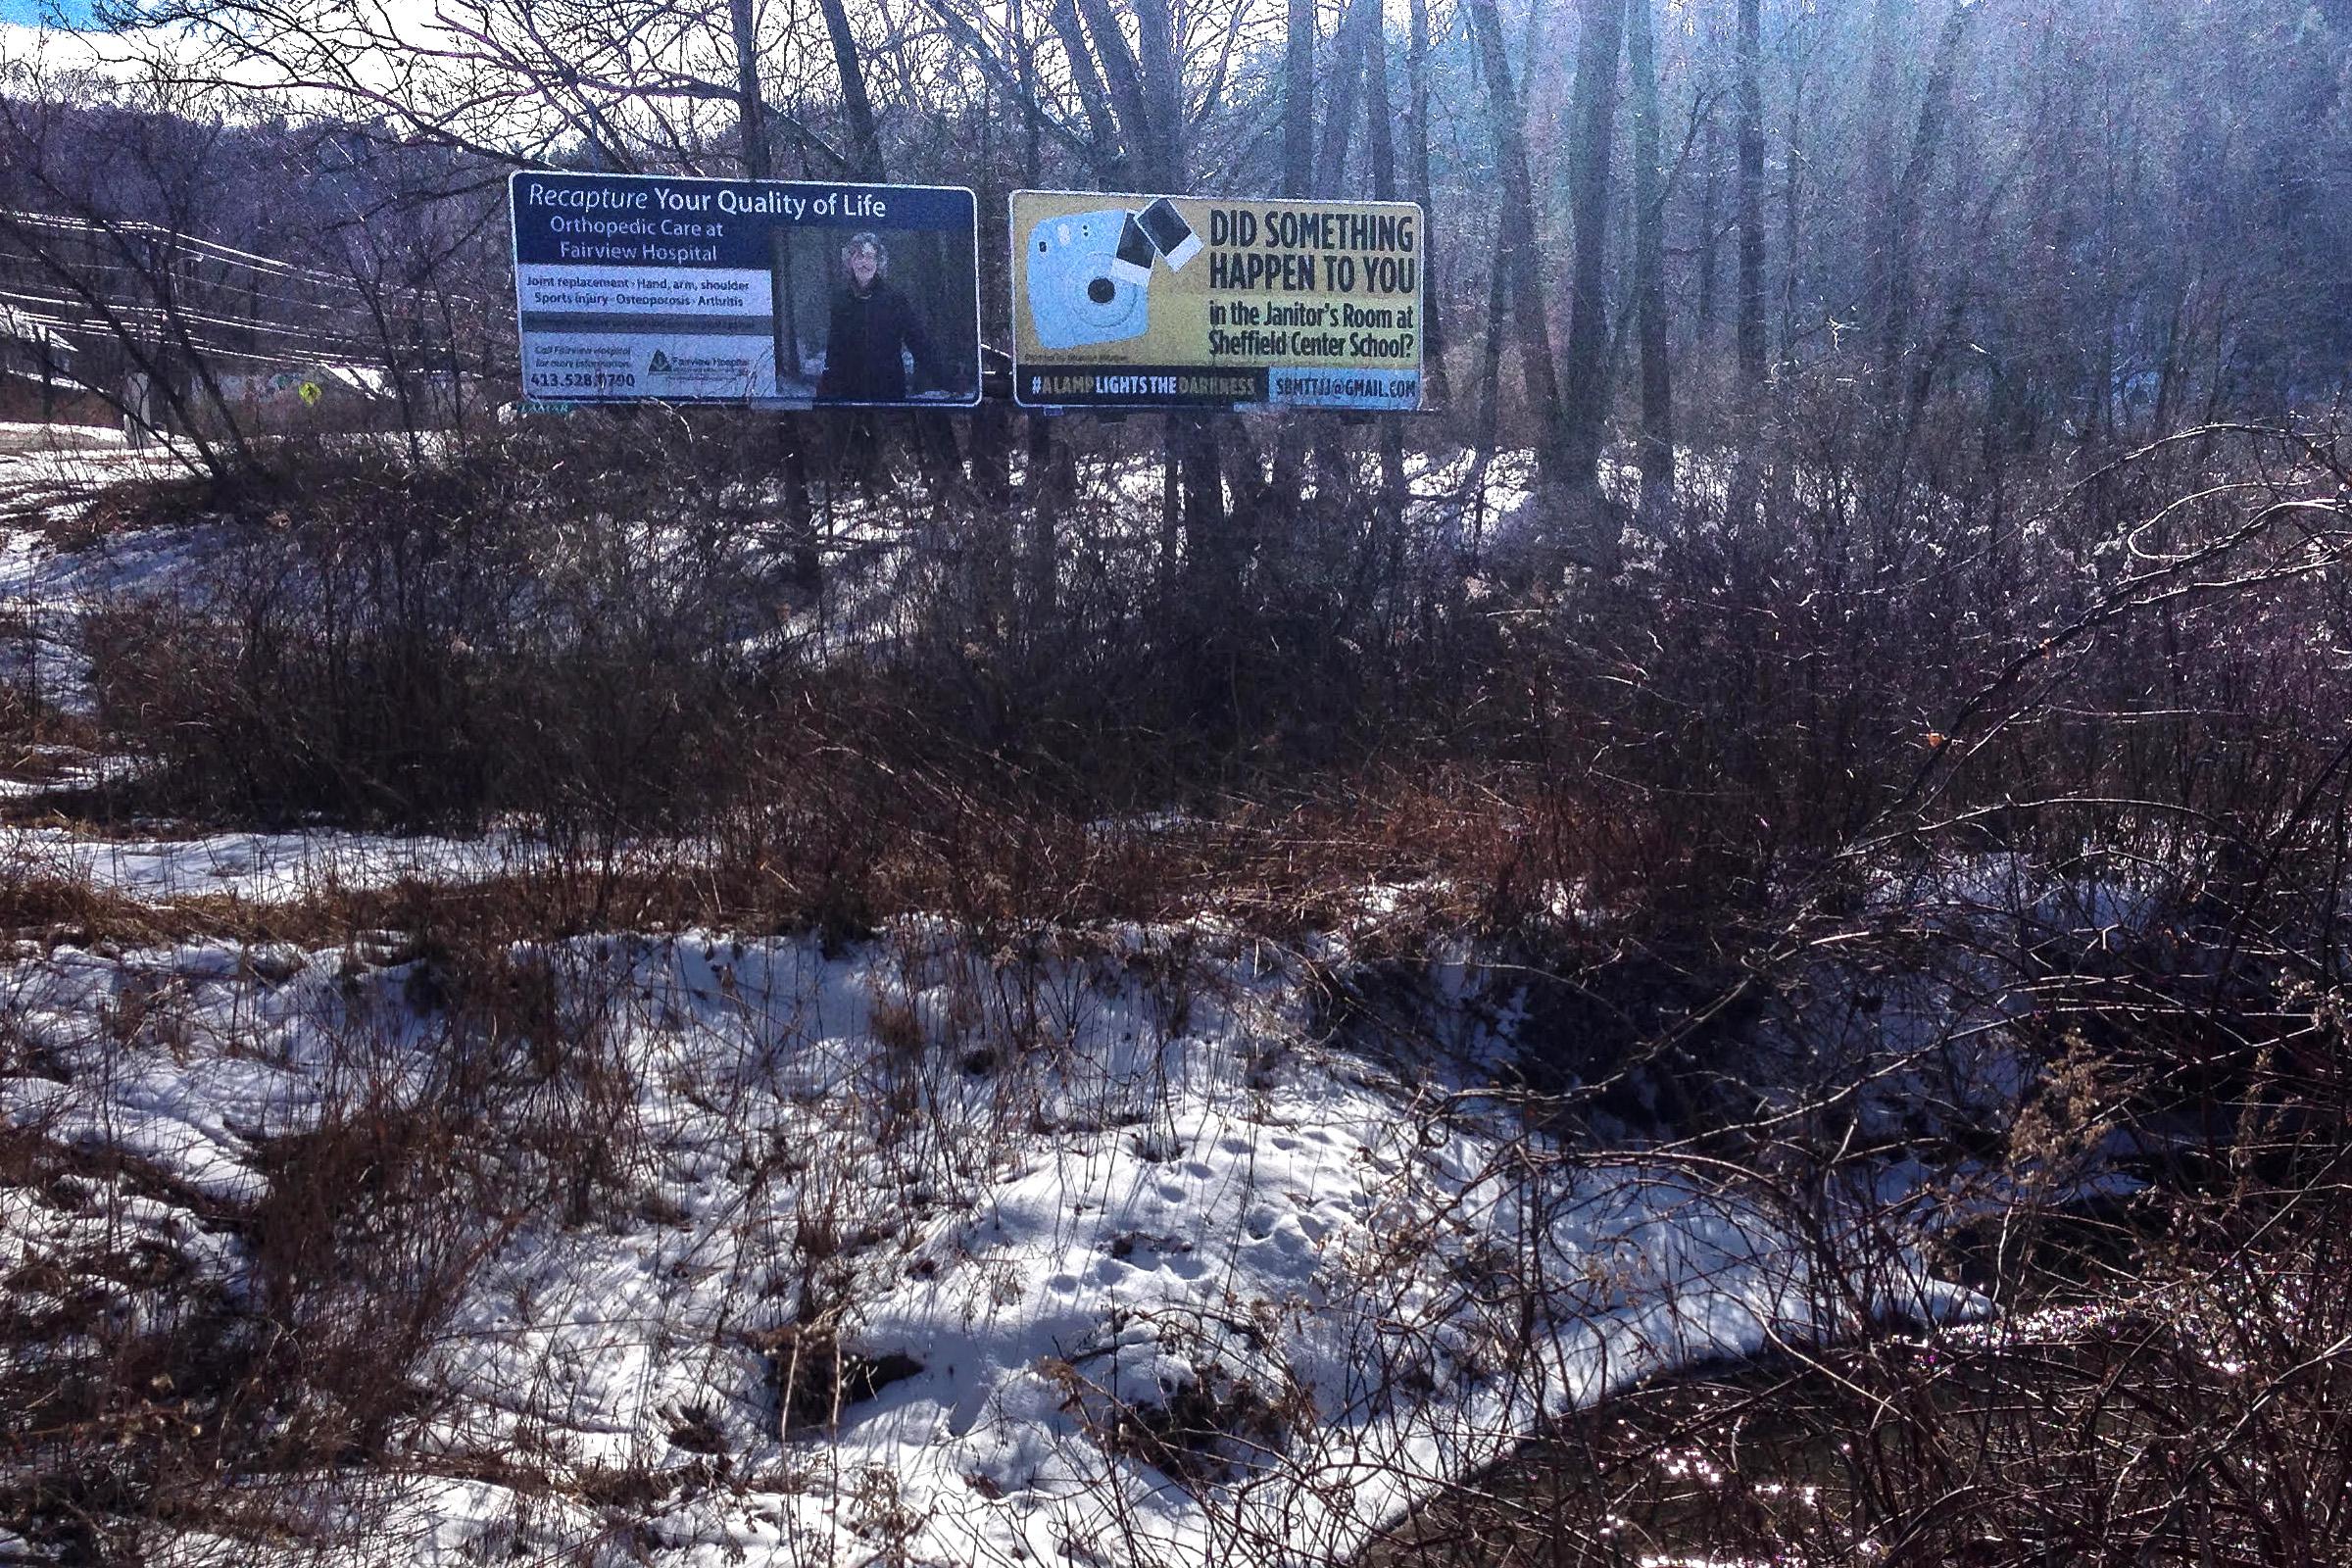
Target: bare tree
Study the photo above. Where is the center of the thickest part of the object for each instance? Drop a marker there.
(1517, 260)
(1656, 448)
(1432, 293)
(1586, 393)
(1750, 57)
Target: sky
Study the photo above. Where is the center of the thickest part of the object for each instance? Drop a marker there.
(34, 13)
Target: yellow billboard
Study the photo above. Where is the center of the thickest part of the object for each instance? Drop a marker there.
(1134, 301)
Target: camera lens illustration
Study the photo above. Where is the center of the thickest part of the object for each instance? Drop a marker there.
(1084, 286)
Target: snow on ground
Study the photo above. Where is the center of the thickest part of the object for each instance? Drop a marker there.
(35, 576)
(1126, 1267)
(19, 436)
(258, 868)
(1078, 1246)
(47, 465)
(47, 593)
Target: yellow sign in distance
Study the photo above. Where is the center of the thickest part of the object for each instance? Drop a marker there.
(310, 392)
(1192, 302)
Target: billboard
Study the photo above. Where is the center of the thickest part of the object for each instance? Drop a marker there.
(1191, 302)
(771, 293)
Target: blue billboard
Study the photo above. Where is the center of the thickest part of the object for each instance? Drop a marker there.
(765, 293)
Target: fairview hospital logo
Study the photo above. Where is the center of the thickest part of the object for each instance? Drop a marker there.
(658, 364)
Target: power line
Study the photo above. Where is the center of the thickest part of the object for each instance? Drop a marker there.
(258, 314)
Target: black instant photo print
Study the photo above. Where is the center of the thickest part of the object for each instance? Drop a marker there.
(1169, 233)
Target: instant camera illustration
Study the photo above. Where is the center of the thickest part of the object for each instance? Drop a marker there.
(1089, 274)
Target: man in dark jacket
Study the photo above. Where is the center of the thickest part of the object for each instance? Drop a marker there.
(872, 323)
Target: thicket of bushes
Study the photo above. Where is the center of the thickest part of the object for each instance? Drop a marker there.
(1811, 678)
(1737, 791)
(605, 626)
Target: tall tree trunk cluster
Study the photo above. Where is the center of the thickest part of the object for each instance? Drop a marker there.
(1570, 399)
(1660, 263)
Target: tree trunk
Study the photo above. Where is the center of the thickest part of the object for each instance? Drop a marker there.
(1515, 257)
(1163, 90)
(1147, 90)
(1433, 333)
(1586, 389)
(1048, 475)
(1751, 203)
(1126, 77)
(1380, 151)
(1348, 71)
(1489, 362)
(751, 122)
(1890, 24)
(1791, 210)
(1650, 268)
(1902, 219)
(1710, 225)
(1093, 97)
(750, 108)
(865, 143)
(1299, 101)
(1298, 183)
